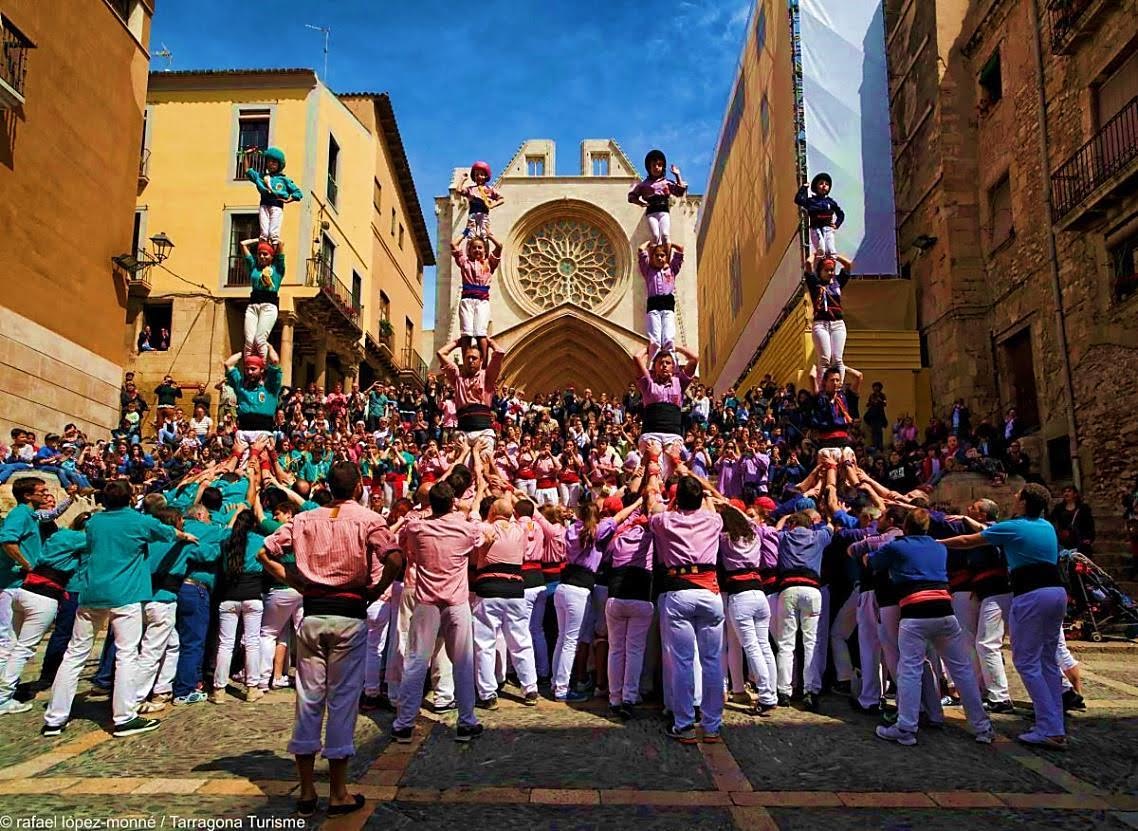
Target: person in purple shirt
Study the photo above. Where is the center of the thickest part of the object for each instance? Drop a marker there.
(800, 601)
(571, 599)
(729, 472)
(628, 556)
(655, 194)
(661, 432)
(755, 465)
(659, 265)
(691, 612)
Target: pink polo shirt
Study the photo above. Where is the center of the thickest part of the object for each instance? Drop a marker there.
(686, 537)
(440, 549)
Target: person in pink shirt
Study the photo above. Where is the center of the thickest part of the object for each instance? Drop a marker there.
(476, 267)
(474, 386)
(481, 198)
(659, 264)
(440, 547)
(432, 465)
(524, 462)
(551, 520)
(661, 437)
(655, 194)
(691, 613)
(546, 467)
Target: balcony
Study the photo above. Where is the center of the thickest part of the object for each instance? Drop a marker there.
(1086, 183)
(13, 64)
(143, 170)
(412, 368)
(250, 157)
(334, 295)
(1070, 19)
(138, 283)
(237, 275)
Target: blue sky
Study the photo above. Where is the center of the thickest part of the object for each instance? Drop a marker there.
(475, 86)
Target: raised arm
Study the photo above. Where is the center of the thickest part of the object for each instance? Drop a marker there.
(494, 365)
(232, 361)
(640, 360)
(693, 360)
(444, 355)
(246, 246)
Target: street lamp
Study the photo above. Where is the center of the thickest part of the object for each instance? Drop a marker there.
(142, 259)
(162, 245)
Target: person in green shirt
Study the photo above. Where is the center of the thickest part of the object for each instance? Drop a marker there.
(266, 273)
(116, 582)
(20, 547)
(160, 647)
(258, 389)
(194, 602)
(240, 599)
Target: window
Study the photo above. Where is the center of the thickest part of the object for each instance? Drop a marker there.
(394, 222)
(535, 165)
(600, 164)
(1123, 257)
(401, 237)
(159, 317)
(1020, 365)
(409, 333)
(14, 48)
(1000, 218)
(241, 227)
(377, 195)
(357, 289)
(384, 306)
(1118, 90)
(736, 271)
(252, 140)
(333, 169)
(991, 81)
(136, 236)
(1059, 461)
(327, 260)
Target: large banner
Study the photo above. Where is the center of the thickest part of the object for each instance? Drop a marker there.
(845, 90)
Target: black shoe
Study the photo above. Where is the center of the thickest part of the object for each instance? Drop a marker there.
(531, 699)
(626, 712)
(615, 710)
(841, 687)
(544, 682)
(136, 725)
(810, 702)
(764, 710)
(1073, 701)
(51, 730)
(369, 703)
(855, 705)
(783, 700)
(306, 807)
(444, 708)
(928, 724)
(402, 735)
(465, 734)
(889, 716)
(340, 810)
(386, 704)
(999, 707)
(684, 736)
(490, 703)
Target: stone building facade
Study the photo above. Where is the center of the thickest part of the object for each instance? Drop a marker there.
(568, 300)
(1016, 156)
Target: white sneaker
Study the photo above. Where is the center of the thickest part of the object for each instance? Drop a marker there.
(12, 706)
(282, 682)
(147, 707)
(1037, 739)
(986, 736)
(893, 733)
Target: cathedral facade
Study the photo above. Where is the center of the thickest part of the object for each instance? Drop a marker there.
(568, 300)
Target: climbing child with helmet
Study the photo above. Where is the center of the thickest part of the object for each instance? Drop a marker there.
(276, 190)
(481, 197)
(824, 214)
(655, 193)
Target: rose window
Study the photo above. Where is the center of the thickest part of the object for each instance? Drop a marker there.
(567, 261)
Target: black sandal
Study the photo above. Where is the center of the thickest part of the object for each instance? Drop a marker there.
(306, 807)
(340, 810)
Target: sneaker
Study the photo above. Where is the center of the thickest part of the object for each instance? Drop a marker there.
(490, 703)
(196, 697)
(764, 710)
(626, 712)
(52, 730)
(1039, 740)
(741, 698)
(615, 709)
(926, 722)
(465, 734)
(282, 682)
(999, 707)
(683, 736)
(402, 735)
(218, 696)
(445, 707)
(892, 733)
(253, 695)
(986, 736)
(369, 703)
(136, 725)
(855, 705)
(12, 706)
(1073, 701)
(949, 701)
(148, 707)
(544, 682)
(783, 700)
(531, 699)
(573, 697)
(842, 687)
(810, 702)
(711, 738)
(99, 691)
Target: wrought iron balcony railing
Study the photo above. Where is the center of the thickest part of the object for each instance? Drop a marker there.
(1096, 163)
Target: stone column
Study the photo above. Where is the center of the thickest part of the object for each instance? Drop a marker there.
(321, 364)
(288, 327)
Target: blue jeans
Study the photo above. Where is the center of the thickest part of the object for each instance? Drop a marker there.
(6, 470)
(105, 675)
(60, 637)
(192, 625)
(66, 477)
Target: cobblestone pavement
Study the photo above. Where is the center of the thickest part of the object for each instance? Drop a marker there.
(558, 767)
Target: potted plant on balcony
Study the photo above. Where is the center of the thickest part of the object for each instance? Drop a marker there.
(386, 332)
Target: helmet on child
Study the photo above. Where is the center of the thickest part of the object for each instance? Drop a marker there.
(655, 155)
(277, 155)
(821, 177)
(485, 168)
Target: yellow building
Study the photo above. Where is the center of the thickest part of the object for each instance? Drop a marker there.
(351, 303)
(753, 317)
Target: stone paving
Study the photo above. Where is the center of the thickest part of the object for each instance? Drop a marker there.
(557, 767)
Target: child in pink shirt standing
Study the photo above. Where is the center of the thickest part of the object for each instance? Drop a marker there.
(655, 193)
(476, 265)
(659, 265)
(481, 197)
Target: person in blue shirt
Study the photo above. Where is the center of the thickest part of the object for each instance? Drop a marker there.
(242, 576)
(20, 548)
(115, 583)
(800, 549)
(194, 602)
(158, 653)
(276, 191)
(1039, 604)
(50, 458)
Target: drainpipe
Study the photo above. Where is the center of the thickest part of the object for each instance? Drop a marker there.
(1053, 256)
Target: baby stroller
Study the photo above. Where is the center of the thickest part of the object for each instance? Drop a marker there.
(1095, 602)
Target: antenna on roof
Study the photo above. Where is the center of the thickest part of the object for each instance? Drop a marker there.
(168, 55)
(327, 32)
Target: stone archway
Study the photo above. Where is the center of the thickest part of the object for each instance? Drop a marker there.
(566, 346)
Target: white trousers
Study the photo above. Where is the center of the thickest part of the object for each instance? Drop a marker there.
(668, 667)
(536, 598)
(661, 326)
(570, 602)
(966, 608)
(734, 675)
(281, 606)
(1037, 621)
(948, 639)
(379, 615)
(159, 649)
(329, 678)
(800, 608)
(249, 612)
(823, 240)
(259, 321)
(829, 345)
(442, 672)
(427, 623)
(473, 317)
(570, 494)
(270, 217)
(628, 625)
(994, 613)
(869, 650)
(32, 616)
(889, 632)
(660, 226)
(506, 617)
(693, 619)
(527, 486)
(126, 628)
(749, 615)
(7, 631)
(545, 496)
(660, 445)
(840, 632)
